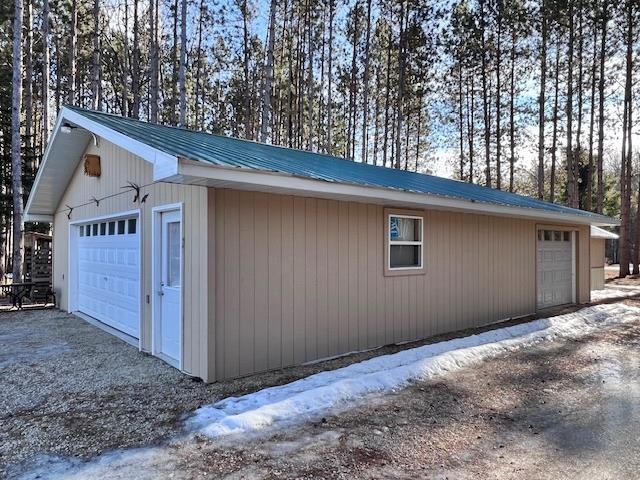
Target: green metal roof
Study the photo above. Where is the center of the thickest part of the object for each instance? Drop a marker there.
(244, 154)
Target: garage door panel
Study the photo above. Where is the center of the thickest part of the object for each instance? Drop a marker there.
(554, 268)
(109, 277)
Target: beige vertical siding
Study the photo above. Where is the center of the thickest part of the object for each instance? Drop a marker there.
(118, 168)
(297, 279)
(597, 263)
(597, 252)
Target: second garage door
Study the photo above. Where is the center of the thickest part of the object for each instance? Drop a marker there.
(109, 273)
(555, 268)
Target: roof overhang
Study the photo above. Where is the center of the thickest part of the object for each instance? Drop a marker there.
(63, 153)
(597, 232)
(197, 173)
(65, 150)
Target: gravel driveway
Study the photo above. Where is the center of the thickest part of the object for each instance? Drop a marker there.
(565, 409)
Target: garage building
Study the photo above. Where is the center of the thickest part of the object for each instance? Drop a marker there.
(226, 257)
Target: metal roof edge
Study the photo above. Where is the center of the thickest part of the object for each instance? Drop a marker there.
(281, 181)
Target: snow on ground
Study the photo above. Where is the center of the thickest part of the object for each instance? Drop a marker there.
(331, 391)
(619, 291)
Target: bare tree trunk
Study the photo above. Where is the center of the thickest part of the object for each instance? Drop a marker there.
(73, 52)
(592, 112)
(153, 61)
(174, 65)
(376, 134)
(46, 66)
(365, 90)
(600, 160)
(95, 71)
(498, 48)
(182, 74)
(627, 152)
(351, 126)
(310, 80)
(16, 160)
(579, 85)
(571, 168)
(266, 122)
(135, 67)
(387, 92)
(512, 121)
(247, 82)
(541, 100)
(28, 90)
(401, 81)
(471, 119)
(125, 63)
(460, 115)
(554, 137)
(329, 148)
(485, 96)
(198, 123)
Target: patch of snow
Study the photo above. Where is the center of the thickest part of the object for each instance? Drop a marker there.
(619, 291)
(334, 390)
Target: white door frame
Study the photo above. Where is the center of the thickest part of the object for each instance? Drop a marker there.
(573, 239)
(73, 265)
(156, 270)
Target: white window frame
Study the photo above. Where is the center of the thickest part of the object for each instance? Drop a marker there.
(390, 242)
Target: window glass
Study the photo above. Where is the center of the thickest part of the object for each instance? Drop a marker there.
(405, 242)
(173, 254)
(557, 236)
(121, 227)
(405, 256)
(112, 228)
(87, 230)
(567, 236)
(95, 229)
(103, 229)
(132, 226)
(81, 230)
(405, 229)
(540, 234)
(547, 235)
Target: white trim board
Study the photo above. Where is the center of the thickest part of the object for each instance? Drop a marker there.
(156, 235)
(72, 266)
(52, 179)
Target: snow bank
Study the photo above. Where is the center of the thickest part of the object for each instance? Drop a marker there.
(331, 390)
(619, 291)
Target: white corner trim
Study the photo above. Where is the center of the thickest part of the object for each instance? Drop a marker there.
(248, 179)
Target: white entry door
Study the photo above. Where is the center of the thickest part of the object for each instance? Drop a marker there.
(108, 273)
(170, 289)
(555, 268)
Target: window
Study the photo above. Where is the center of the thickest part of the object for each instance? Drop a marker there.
(95, 229)
(173, 254)
(131, 226)
(112, 228)
(103, 229)
(405, 242)
(82, 230)
(121, 225)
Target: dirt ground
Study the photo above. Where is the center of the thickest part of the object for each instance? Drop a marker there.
(611, 278)
(563, 409)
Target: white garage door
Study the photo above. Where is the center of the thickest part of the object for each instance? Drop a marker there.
(109, 273)
(555, 268)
